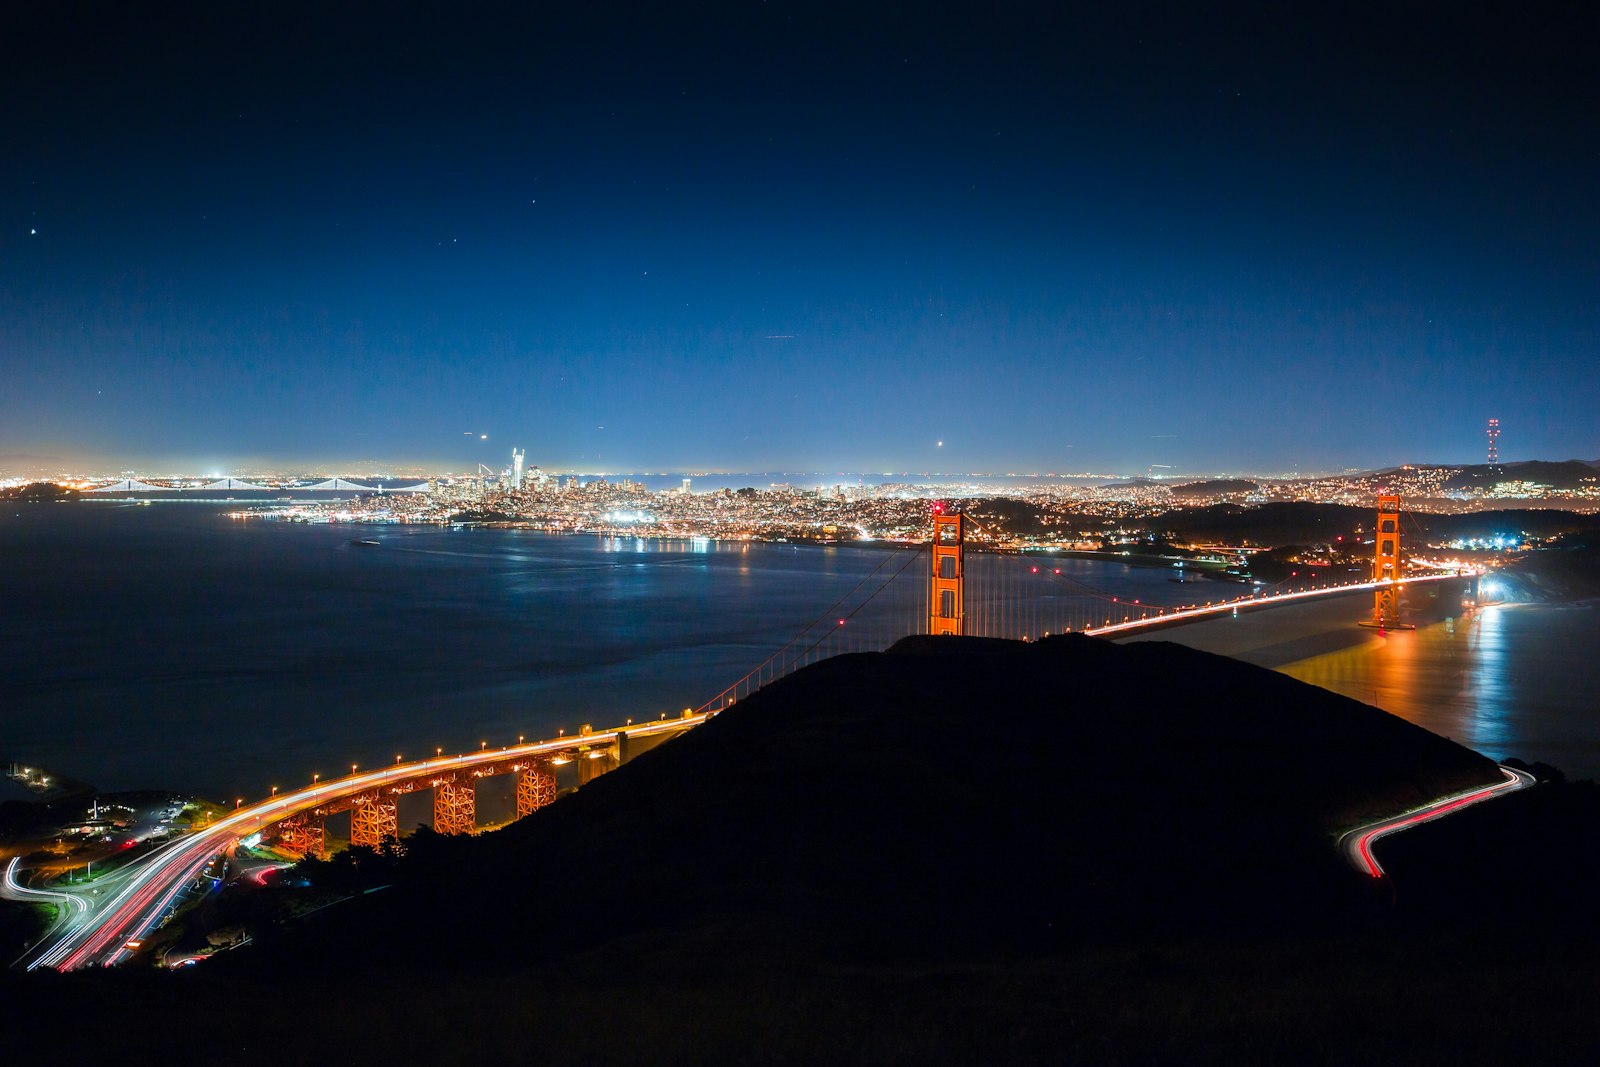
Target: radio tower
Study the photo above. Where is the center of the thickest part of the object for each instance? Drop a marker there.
(1494, 443)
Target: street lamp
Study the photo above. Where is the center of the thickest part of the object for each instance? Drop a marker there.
(482, 745)
(314, 778)
(236, 803)
(352, 768)
(274, 790)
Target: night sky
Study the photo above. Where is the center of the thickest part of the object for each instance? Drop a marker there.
(792, 236)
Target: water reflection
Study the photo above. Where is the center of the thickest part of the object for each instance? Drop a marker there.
(1506, 680)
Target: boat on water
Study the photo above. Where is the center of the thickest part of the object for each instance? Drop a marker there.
(366, 542)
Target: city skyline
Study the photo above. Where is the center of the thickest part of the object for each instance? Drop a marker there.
(794, 238)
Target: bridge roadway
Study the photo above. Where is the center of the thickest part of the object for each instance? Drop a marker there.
(145, 890)
(1323, 620)
(149, 886)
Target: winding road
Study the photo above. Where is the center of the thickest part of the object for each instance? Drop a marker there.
(1357, 844)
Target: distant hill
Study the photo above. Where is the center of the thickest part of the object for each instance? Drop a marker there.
(39, 491)
(1278, 523)
(1295, 523)
(1215, 487)
(1566, 474)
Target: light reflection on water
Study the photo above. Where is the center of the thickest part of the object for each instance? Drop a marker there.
(1507, 680)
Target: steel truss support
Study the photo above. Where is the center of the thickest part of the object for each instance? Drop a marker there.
(374, 817)
(536, 787)
(455, 804)
(304, 834)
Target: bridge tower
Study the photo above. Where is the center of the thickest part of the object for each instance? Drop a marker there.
(536, 787)
(374, 818)
(947, 579)
(1386, 563)
(455, 804)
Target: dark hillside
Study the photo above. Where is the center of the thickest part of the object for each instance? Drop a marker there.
(946, 797)
(957, 852)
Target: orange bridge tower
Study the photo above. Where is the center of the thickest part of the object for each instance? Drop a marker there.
(947, 580)
(1386, 565)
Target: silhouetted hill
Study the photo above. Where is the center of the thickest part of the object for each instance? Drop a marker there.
(1296, 523)
(1215, 487)
(1279, 523)
(950, 796)
(1560, 474)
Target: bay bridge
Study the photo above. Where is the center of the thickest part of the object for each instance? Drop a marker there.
(949, 585)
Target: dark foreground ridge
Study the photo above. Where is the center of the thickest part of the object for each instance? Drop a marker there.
(947, 797)
(956, 851)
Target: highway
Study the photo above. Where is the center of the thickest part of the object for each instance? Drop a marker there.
(1357, 844)
(100, 932)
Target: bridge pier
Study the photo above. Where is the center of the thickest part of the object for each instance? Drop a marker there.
(455, 804)
(593, 762)
(536, 787)
(374, 818)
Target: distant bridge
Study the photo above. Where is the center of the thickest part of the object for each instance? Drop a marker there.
(135, 487)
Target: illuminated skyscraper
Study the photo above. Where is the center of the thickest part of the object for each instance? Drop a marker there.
(1494, 442)
(517, 456)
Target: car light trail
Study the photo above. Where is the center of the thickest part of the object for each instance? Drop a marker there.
(1269, 600)
(1357, 844)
